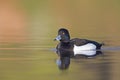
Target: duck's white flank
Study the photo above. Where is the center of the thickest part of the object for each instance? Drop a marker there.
(88, 49)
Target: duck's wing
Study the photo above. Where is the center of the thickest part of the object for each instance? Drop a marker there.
(79, 42)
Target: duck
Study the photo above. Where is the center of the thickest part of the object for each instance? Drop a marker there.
(76, 45)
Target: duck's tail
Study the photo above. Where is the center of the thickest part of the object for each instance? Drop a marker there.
(100, 45)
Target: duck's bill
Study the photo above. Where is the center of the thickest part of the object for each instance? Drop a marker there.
(58, 38)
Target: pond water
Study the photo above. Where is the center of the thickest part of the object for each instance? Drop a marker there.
(35, 58)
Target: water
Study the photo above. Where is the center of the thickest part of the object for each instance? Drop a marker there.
(28, 61)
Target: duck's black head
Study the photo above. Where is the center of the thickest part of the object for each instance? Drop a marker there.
(63, 35)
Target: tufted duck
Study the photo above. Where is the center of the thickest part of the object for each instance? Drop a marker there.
(76, 45)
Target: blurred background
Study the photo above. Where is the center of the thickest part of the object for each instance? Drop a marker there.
(28, 27)
(23, 19)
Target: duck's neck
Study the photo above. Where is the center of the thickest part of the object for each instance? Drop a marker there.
(65, 44)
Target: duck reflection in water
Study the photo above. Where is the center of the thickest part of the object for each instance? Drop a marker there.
(64, 61)
(64, 57)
